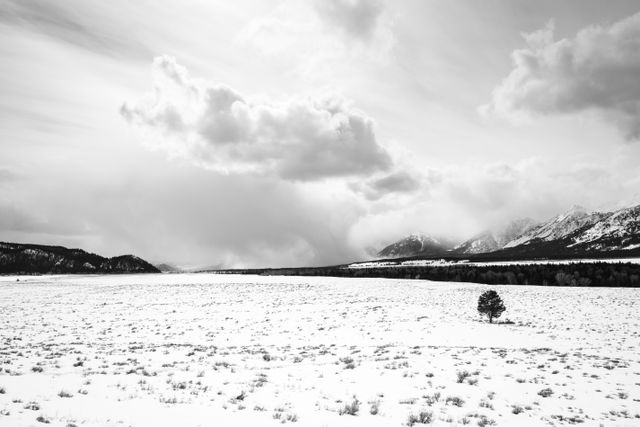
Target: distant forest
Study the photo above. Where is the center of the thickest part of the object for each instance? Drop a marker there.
(579, 274)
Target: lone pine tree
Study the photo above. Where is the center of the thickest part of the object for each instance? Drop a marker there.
(490, 304)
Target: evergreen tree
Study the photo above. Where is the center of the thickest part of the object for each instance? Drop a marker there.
(490, 304)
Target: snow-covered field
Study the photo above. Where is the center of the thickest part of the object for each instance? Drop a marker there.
(222, 350)
(444, 263)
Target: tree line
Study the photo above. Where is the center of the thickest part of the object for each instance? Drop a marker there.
(578, 274)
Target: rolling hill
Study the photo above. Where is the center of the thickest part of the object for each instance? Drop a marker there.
(18, 258)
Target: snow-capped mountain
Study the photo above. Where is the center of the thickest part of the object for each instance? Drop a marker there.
(559, 227)
(619, 230)
(493, 240)
(575, 232)
(416, 245)
(578, 232)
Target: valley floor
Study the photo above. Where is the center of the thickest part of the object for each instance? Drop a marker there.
(224, 350)
(445, 263)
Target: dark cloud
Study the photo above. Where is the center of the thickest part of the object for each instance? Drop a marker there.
(73, 22)
(597, 69)
(395, 183)
(356, 18)
(304, 139)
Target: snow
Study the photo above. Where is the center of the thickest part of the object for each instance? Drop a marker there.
(229, 350)
(371, 264)
(399, 248)
(617, 225)
(559, 262)
(444, 263)
(558, 227)
(409, 263)
(609, 225)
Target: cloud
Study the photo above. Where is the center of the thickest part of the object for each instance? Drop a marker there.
(356, 18)
(20, 220)
(324, 40)
(596, 70)
(8, 175)
(216, 127)
(167, 211)
(399, 182)
(77, 23)
(459, 201)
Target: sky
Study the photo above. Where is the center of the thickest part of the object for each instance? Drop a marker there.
(291, 133)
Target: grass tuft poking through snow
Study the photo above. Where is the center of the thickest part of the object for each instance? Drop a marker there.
(351, 408)
(424, 417)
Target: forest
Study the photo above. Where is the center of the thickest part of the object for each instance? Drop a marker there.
(605, 274)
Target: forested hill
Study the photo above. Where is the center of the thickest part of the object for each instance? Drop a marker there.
(17, 258)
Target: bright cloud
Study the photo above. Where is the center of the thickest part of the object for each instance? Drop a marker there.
(322, 40)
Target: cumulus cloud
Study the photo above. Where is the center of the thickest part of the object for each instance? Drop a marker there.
(215, 126)
(356, 18)
(596, 70)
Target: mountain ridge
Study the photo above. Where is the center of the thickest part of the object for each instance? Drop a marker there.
(416, 244)
(571, 233)
(28, 258)
(492, 240)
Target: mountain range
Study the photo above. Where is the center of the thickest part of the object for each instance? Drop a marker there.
(18, 258)
(416, 245)
(575, 232)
